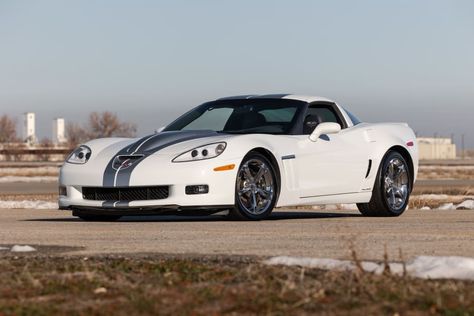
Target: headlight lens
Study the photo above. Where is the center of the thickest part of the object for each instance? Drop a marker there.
(203, 152)
(80, 155)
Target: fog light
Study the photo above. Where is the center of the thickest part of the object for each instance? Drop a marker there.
(197, 189)
(62, 191)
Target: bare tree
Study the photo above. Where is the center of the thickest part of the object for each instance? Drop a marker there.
(105, 124)
(7, 130)
(75, 134)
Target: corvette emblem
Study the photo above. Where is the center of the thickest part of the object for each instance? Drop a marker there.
(125, 161)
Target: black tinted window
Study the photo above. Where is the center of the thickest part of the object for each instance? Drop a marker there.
(325, 112)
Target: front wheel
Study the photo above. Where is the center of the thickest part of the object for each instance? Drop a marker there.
(392, 188)
(255, 188)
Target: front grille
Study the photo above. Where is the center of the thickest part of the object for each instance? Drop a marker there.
(125, 194)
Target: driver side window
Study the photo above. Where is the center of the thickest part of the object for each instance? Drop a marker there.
(317, 114)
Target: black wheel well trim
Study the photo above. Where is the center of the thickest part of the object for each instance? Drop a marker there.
(406, 155)
(268, 154)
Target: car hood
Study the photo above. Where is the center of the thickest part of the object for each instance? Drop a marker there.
(125, 156)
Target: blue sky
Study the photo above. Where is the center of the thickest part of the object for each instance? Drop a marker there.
(149, 61)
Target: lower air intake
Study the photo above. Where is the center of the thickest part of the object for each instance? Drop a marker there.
(125, 194)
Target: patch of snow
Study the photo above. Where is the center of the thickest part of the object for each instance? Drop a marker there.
(25, 248)
(447, 207)
(432, 196)
(333, 207)
(349, 207)
(39, 205)
(425, 208)
(466, 205)
(100, 290)
(425, 267)
(10, 179)
(4, 248)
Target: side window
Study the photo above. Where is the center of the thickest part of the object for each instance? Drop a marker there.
(353, 118)
(320, 113)
(325, 114)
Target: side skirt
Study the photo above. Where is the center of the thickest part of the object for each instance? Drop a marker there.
(344, 198)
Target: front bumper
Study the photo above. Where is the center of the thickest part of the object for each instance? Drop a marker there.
(177, 176)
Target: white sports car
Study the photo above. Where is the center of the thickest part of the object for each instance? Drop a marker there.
(246, 154)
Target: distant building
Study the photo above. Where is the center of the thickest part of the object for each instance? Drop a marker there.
(436, 148)
(59, 131)
(29, 134)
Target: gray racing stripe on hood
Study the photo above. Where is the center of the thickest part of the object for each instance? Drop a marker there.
(146, 146)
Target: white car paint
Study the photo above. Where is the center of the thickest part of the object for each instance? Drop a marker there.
(325, 171)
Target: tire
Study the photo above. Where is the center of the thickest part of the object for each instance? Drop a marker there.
(392, 188)
(254, 198)
(98, 218)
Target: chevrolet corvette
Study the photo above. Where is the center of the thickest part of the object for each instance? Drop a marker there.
(245, 155)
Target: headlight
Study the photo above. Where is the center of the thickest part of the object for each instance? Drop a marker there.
(203, 152)
(80, 155)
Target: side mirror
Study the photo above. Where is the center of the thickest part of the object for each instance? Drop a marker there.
(324, 129)
(159, 130)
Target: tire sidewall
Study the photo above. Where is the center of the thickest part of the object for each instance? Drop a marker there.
(238, 206)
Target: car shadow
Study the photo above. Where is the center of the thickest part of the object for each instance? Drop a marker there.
(276, 216)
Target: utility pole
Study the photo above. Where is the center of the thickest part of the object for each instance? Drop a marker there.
(462, 146)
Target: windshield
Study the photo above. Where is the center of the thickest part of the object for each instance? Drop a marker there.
(275, 116)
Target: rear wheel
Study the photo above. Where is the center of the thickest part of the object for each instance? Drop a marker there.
(255, 188)
(392, 188)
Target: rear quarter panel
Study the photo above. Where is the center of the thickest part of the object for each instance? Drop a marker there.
(383, 137)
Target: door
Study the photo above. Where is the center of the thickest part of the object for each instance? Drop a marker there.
(334, 164)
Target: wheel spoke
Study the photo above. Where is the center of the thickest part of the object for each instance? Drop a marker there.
(400, 172)
(263, 193)
(244, 190)
(260, 173)
(254, 201)
(393, 199)
(247, 173)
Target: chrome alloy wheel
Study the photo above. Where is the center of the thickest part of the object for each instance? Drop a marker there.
(396, 183)
(255, 186)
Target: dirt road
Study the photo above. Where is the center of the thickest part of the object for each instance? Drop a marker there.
(286, 233)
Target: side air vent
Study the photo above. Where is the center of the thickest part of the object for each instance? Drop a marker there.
(369, 167)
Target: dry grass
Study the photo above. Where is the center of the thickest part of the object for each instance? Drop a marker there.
(446, 172)
(214, 286)
(468, 190)
(417, 202)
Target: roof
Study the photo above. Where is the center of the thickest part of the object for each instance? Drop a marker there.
(304, 98)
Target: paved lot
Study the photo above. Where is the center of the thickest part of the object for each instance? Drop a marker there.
(303, 233)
